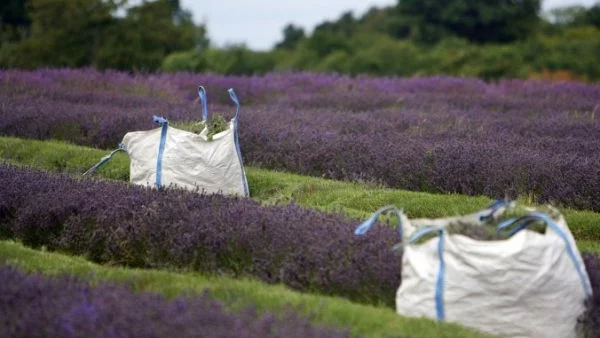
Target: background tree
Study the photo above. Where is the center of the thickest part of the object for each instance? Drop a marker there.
(291, 36)
(66, 42)
(77, 33)
(14, 21)
(148, 33)
(478, 21)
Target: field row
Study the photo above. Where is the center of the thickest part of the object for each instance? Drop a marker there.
(40, 306)
(237, 295)
(121, 224)
(449, 135)
(353, 201)
(64, 157)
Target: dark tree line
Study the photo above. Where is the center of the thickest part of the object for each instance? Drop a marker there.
(483, 38)
(101, 33)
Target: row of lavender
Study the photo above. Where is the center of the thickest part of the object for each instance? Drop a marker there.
(434, 134)
(118, 223)
(40, 306)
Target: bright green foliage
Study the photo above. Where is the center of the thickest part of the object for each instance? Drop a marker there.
(214, 125)
(235, 60)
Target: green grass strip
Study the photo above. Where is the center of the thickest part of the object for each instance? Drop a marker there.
(354, 200)
(330, 311)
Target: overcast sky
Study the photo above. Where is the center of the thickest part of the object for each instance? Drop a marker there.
(259, 23)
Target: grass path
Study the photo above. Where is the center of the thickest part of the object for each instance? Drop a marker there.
(354, 200)
(239, 294)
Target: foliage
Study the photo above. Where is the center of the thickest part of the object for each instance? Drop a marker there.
(591, 320)
(291, 36)
(353, 200)
(503, 39)
(116, 223)
(90, 34)
(234, 59)
(184, 61)
(14, 20)
(477, 21)
(214, 125)
(66, 306)
(451, 135)
(305, 250)
(239, 294)
(145, 37)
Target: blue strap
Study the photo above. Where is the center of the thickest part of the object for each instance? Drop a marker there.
(159, 119)
(105, 159)
(439, 284)
(523, 222)
(366, 225)
(237, 140)
(494, 206)
(237, 103)
(161, 148)
(424, 231)
(504, 226)
(202, 94)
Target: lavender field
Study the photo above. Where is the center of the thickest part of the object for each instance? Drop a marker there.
(510, 139)
(115, 223)
(35, 305)
(440, 134)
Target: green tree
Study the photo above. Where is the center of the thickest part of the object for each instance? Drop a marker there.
(66, 42)
(149, 32)
(76, 33)
(385, 21)
(14, 20)
(478, 21)
(291, 36)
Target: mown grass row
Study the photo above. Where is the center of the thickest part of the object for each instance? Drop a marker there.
(355, 200)
(370, 321)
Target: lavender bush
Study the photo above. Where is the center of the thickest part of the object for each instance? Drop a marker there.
(39, 306)
(591, 320)
(111, 222)
(130, 225)
(435, 134)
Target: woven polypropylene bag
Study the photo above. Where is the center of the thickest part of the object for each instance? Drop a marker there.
(189, 160)
(170, 157)
(530, 284)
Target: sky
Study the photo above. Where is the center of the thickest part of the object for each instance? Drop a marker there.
(259, 23)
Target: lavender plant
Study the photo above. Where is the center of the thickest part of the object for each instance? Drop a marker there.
(438, 134)
(116, 223)
(41, 306)
(591, 318)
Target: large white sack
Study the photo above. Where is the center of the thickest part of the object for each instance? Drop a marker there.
(528, 285)
(189, 160)
(170, 157)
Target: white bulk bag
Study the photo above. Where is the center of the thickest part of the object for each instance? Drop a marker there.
(168, 156)
(529, 285)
